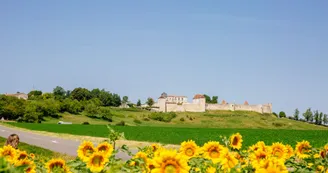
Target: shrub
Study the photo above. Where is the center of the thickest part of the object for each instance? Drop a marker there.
(137, 121)
(146, 119)
(275, 114)
(182, 119)
(282, 114)
(85, 123)
(121, 123)
(160, 116)
(278, 124)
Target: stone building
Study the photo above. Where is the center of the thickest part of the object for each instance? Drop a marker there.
(169, 103)
(19, 95)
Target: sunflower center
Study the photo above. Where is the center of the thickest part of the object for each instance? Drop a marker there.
(277, 153)
(56, 165)
(214, 153)
(235, 141)
(103, 148)
(88, 151)
(189, 152)
(22, 156)
(97, 160)
(170, 169)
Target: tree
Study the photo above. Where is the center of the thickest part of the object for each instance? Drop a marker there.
(320, 118)
(116, 100)
(316, 117)
(207, 98)
(11, 107)
(150, 102)
(48, 96)
(325, 119)
(125, 99)
(33, 112)
(71, 106)
(214, 99)
(275, 114)
(34, 95)
(81, 94)
(59, 92)
(139, 102)
(95, 93)
(296, 114)
(282, 114)
(68, 93)
(308, 114)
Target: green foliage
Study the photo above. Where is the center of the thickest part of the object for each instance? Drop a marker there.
(121, 123)
(11, 107)
(81, 94)
(137, 121)
(94, 111)
(33, 112)
(85, 123)
(208, 99)
(182, 119)
(308, 115)
(59, 92)
(71, 106)
(116, 100)
(46, 96)
(139, 102)
(50, 107)
(316, 117)
(296, 114)
(275, 114)
(325, 119)
(161, 116)
(150, 102)
(34, 95)
(282, 114)
(125, 99)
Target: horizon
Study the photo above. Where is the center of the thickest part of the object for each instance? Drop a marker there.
(260, 52)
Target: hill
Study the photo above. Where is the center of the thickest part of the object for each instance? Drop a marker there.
(210, 119)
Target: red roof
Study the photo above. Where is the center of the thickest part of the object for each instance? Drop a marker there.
(199, 96)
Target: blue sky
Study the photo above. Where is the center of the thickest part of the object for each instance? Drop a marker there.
(272, 51)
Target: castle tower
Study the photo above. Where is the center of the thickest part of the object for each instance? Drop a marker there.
(201, 101)
(162, 103)
(246, 103)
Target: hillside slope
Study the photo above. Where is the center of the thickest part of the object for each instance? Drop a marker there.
(211, 119)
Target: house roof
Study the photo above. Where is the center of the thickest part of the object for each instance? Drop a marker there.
(199, 96)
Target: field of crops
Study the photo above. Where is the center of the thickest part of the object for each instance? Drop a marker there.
(170, 135)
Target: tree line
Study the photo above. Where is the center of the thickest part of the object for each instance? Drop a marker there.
(94, 103)
(310, 116)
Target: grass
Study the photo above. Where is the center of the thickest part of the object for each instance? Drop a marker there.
(210, 119)
(40, 153)
(175, 135)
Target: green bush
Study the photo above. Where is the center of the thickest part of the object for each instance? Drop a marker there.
(160, 116)
(71, 106)
(182, 119)
(85, 123)
(121, 123)
(137, 121)
(146, 119)
(278, 124)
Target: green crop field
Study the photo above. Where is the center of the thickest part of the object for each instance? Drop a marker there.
(175, 135)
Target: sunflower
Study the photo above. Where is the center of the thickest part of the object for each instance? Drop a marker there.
(258, 146)
(143, 156)
(212, 150)
(189, 148)
(85, 150)
(97, 162)
(55, 165)
(25, 162)
(32, 155)
(302, 149)
(210, 170)
(8, 152)
(279, 151)
(155, 147)
(272, 165)
(290, 151)
(228, 161)
(323, 153)
(105, 148)
(21, 155)
(258, 157)
(320, 168)
(170, 161)
(236, 141)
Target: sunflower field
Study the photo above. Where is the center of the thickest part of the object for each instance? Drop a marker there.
(224, 155)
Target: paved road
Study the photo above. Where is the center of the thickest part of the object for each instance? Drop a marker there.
(61, 145)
